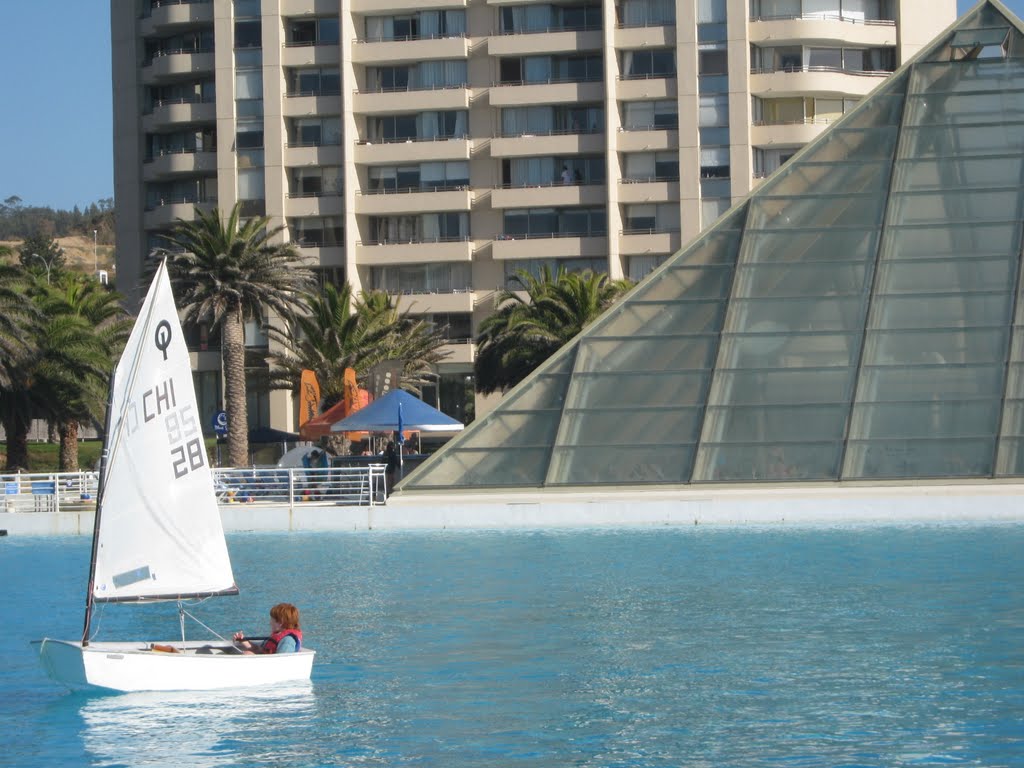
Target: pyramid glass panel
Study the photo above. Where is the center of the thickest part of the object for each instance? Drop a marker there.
(859, 316)
(930, 394)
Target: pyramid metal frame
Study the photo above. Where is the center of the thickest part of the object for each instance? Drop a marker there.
(856, 317)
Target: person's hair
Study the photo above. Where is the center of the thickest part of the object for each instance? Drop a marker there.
(285, 614)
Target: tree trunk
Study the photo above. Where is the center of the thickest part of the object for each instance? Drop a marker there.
(17, 443)
(69, 447)
(52, 432)
(233, 360)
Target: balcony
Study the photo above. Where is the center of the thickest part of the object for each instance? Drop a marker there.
(635, 38)
(167, 212)
(308, 8)
(301, 104)
(437, 303)
(848, 32)
(639, 242)
(411, 151)
(183, 161)
(555, 41)
(652, 140)
(550, 247)
(460, 352)
(646, 88)
(310, 55)
(296, 155)
(166, 16)
(178, 64)
(550, 144)
(794, 81)
(167, 113)
(381, 254)
(413, 201)
(298, 206)
(524, 94)
(401, 6)
(321, 255)
(553, 194)
(421, 100)
(791, 134)
(414, 49)
(648, 191)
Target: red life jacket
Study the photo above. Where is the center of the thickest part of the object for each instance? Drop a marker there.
(270, 644)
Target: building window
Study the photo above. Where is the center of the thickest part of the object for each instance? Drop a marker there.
(650, 115)
(651, 166)
(317, 231)
(315, 181)
(426, 75)
(714, 162)
(535, 268)
(248, 34)
(419, 228)
(551, 69)
(650, 218)
(554, 222)
(422, 25)
(314, 82)
(545, 17)
(646, 13)
(314, 131)
(424, 126)
(318, 31)
(443, 277)
(548, 171)
(660, 62)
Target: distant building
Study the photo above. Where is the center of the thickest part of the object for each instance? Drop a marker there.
(420, 147)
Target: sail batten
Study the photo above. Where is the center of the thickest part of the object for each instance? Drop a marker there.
(159, 531)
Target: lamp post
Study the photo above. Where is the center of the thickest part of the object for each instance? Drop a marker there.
(45, 264)
(95, 258)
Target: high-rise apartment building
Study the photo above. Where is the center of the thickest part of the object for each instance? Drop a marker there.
(432, 148)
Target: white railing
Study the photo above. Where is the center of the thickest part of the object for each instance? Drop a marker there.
(76, 491)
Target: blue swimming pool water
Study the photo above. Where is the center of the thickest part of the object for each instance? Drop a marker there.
(672, 647)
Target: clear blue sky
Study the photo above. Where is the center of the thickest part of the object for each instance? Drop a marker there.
(55, 128)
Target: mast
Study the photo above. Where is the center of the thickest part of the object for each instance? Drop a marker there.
(89, 601)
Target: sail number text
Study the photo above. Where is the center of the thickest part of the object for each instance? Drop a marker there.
(183, 434)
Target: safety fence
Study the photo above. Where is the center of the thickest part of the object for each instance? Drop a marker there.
(76, 491)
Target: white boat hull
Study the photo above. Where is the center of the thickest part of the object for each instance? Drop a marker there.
(196, 666)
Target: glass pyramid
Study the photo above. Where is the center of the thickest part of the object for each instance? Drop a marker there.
(857, 317)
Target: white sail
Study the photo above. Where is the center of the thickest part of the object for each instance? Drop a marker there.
(160, 533)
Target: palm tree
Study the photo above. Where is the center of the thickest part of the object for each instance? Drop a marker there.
(527, 329)
(63, 369)
(332, 332)
(228, 272)
(18, 322)
(85, 330)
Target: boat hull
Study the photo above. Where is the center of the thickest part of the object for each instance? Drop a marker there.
(193, 666)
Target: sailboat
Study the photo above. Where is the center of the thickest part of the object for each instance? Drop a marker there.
(158, 534)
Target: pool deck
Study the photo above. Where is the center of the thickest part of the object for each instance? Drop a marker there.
(819, 505)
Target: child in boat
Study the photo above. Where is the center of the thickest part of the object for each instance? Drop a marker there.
(285, 635)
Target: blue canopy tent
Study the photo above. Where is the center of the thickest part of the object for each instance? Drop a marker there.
(398, 411)
(395, 411)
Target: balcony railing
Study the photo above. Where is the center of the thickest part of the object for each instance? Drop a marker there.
(648, 179)
(655, 230)
(415, 240)
(549, 81)
(414, 87)
(547, 235)
(808, 68)
(825, 17)
(654, 127)
(149, 158)
(649, 76)
(314, 92)
(153, 4)
(409, 139)
(308, 43)
(305, 144)
(553, 28)
(407, 38)
(803, 121)
(175, 52)
(460, 187)
(550, 132)
(183, 200)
